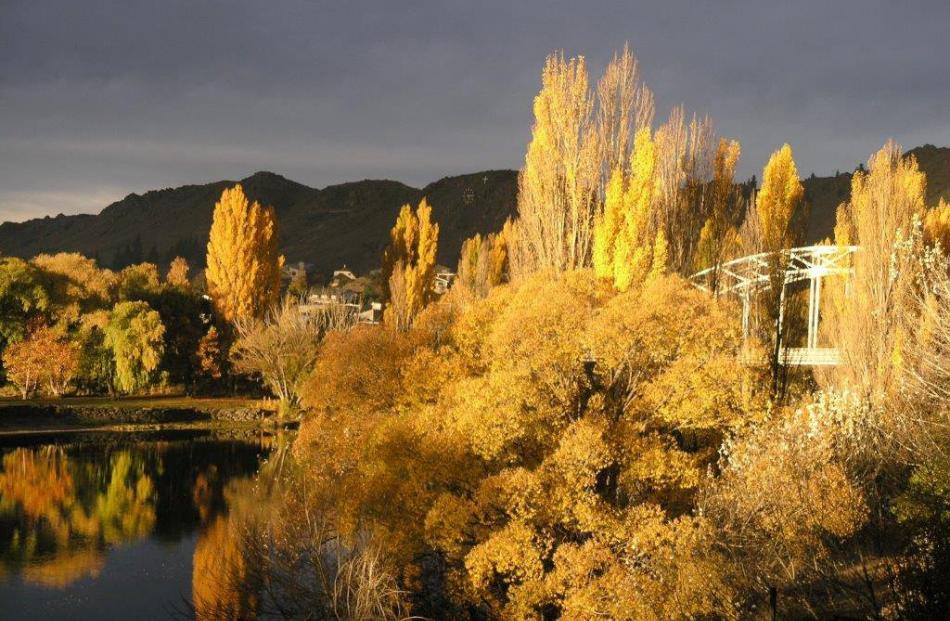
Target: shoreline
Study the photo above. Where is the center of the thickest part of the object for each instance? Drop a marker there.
(77, 415)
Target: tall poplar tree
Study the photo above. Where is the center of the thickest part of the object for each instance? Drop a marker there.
(243, 263)
(413, 242)
(628, 244)
(776, 207)
(869, 321)
(719, 236)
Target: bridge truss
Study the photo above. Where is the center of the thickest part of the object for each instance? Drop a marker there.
(749, 276)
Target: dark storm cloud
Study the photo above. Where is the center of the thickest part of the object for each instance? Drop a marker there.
(98, 98)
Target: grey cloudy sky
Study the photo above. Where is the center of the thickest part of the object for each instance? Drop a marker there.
(99, 99)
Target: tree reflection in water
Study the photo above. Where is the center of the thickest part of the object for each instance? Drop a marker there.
(275, 554)
(63, 506)
(64, 512)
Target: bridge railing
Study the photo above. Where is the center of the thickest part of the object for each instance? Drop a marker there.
(748, 276)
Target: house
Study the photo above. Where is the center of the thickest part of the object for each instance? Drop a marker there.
(341, 277)
(348, 301)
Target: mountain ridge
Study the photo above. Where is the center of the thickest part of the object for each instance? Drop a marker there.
(346, 223)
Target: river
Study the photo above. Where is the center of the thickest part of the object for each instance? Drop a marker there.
(117, 526)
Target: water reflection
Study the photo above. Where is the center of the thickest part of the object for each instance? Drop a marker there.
(72, 511)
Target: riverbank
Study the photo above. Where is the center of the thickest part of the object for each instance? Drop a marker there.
(131, 413)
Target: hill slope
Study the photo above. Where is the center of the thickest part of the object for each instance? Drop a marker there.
(340, 224)
(824, 194)
(346, 223)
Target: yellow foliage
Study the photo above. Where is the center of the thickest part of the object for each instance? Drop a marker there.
(937, 226)
(483, 433)
(409, 264)
(868, 321)
(178, 273)
(244, 266)
(626, 250)
(779, 199)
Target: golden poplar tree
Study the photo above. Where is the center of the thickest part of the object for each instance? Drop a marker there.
(413, 242)
(499, 265)
(626, 248)
(558, 185)
(719, 237)
(937, 226)
(776, 206)
(484, 261)
(779, 199)
(869, 321)
(243, 262)
(608, 226)
(425, 257)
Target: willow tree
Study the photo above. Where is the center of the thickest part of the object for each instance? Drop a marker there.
(135, 335)
(243, 262)
(869, 325)
(409, 264)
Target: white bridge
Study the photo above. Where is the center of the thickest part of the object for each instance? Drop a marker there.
(748, 276)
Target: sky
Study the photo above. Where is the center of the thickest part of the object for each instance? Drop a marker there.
(102, 98)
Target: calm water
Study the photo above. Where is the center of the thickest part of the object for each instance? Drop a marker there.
(113, 526)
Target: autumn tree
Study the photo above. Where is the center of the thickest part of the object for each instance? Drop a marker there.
(559, 182)
(719, 237)
(484, 262)
(44, 358)
(409, 263)
(138, 282)
(180, 309)
(211, 359)
(529, 436)
(75, 280)
(177, 275)
(788, 499)
(777, 205)
(937, 226)
(625, 105)
(96, 371)
(135, 335)
(24, 365)
(683, 168)
(581, 140)
(869, 324)
(23, 298)
(244, 266)
(628, 246)
(281, 348)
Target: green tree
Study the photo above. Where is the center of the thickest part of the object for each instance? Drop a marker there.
(23, 298)
(135, 335)
(138, 282)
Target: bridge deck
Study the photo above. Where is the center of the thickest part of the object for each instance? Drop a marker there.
(802, 357)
